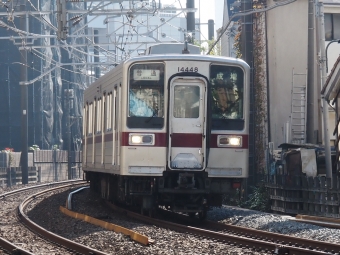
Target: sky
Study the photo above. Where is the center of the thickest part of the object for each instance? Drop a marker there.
(209, 10)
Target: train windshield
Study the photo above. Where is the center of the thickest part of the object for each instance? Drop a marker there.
(146, 96)
(227, 86)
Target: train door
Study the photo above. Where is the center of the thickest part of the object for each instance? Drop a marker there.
(187, 123)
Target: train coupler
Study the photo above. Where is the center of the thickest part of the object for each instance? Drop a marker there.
(186, 181)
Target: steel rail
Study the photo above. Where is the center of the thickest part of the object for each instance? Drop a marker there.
(11, 248)
(283, 239)
(318, 220)
(255, 233)
(13, 192)
(276, 246)
(78, 248)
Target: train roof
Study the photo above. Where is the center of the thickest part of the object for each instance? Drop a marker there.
(181, 57)
(173, 48)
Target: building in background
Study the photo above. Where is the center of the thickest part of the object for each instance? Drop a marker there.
(54, 78)
(228, 37)
(59, 70)
(11, 75)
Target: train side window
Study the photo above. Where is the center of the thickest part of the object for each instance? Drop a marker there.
(99, 116)
(104, 113)
(227, 87)
(90, 120)
(95, 103)
(114, 107)
(85, 118)
(108, 113)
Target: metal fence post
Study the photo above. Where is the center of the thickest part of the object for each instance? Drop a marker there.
(9, 179)
(14, 175)
(39, 174)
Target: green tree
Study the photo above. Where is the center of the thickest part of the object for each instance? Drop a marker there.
(206, 45)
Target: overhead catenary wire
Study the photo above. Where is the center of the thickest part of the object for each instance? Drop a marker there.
(57, 65)
(79, 32)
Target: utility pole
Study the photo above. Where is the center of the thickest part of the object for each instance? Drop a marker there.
(211, 30)
(247, 55)
(68, 120)
(96, 53)
(191, 20)
(62, 20)
(311, 130)
(324, 104)
(24, 105)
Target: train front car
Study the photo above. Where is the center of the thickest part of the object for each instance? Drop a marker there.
(180, 133)
(207, 132)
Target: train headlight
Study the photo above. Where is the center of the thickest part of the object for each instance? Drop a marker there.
(229, 141)
(141, 139)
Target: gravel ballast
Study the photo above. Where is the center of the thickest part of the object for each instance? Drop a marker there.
(273, 223)
(47, 214)
(166, 241)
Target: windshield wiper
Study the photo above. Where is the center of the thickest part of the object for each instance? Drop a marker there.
(154, 114)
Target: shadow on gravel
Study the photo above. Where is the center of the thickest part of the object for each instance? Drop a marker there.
(47, 214)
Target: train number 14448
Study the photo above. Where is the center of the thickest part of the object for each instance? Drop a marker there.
(188, 69)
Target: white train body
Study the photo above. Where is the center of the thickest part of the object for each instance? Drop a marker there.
(166, 128)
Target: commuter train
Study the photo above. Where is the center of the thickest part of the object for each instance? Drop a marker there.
(168, 128)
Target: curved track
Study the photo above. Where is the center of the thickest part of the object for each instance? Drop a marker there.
(11, 248)
(13, 242)
(240, 236)
(68, 244)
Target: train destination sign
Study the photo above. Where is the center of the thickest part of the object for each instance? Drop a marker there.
(142, 75)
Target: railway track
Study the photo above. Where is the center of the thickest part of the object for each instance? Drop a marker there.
(256, 240)
(284, 241)
(319, 221)
(309, 219)
(10, 248)
(54, 243)
(244, 238)
(74, 247)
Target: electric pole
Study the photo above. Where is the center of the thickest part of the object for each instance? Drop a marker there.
(62, 20)
(24, 105)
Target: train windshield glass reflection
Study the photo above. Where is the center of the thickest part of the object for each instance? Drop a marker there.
(227, 85)
(146, 96)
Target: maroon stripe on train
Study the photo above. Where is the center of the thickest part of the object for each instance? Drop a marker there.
(108, 137)
(178, 140)
(186, 140)
(160, 139)
(213, 142)
(98, 139)
(89, 140)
